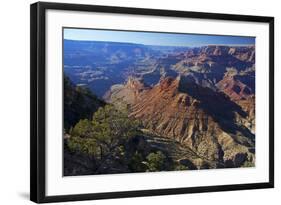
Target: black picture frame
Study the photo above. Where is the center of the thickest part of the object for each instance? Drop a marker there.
(38, 101)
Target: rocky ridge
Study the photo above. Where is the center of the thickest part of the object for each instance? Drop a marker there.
(207, 122)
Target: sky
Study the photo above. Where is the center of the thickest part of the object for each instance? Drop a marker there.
(153, 38)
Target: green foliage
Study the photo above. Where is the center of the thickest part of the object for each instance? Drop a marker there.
(82, 140)
(248, 164)
(179, 167)
(82, 129)
(137, 163)
(105, 134)
(112, 126)
(155, 161)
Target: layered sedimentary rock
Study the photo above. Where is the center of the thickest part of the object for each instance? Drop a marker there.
(208, 122)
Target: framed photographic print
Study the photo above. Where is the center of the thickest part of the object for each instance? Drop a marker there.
(129, 102)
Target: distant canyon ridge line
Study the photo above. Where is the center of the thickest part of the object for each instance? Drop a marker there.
(202, 97)
(99, 65)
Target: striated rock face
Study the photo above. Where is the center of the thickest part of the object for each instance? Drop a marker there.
(128, 93)
(208, 65)
(208, 122)
(243, 53)
(209, 107)
(235, 89)
(243, 95)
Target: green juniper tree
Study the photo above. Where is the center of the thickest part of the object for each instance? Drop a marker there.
(156, 161)
(104, 136)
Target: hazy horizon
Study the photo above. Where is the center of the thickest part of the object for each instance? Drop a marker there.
(155, 38)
